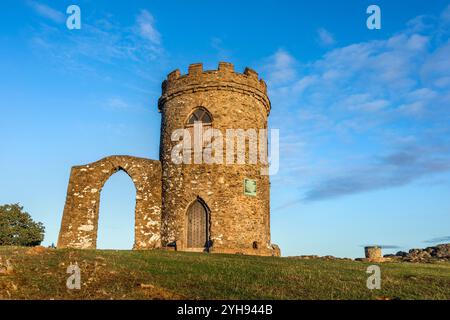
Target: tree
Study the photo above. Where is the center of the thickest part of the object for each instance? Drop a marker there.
(17, 228)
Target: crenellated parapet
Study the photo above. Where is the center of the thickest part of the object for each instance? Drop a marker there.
(224, 78)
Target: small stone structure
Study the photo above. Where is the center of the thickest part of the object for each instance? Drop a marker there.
(373, 254)
(190, 207)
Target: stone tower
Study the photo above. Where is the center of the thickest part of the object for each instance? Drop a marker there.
(204, 206)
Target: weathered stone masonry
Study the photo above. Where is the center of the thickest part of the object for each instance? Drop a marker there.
(80, 218)
(171, 197)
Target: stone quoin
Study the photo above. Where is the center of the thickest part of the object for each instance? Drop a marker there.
(218, 208)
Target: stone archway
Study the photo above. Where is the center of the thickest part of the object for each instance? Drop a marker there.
(80, 218)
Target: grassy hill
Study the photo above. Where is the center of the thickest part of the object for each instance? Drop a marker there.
(39, 273)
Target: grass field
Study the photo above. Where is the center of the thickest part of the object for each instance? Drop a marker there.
(41, 274)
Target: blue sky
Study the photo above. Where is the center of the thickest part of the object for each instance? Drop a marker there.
(363, 114)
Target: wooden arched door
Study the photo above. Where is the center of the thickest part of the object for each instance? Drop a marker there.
(197, 225)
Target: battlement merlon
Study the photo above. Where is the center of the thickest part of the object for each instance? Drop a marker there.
(224, 78)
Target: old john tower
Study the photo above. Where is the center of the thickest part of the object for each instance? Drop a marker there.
(188, 206)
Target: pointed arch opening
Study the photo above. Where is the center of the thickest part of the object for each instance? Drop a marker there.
(116, 219)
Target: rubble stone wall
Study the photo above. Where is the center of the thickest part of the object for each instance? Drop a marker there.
(80, 218)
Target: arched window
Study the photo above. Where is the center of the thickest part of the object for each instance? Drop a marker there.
(203, 117)
(200, 115)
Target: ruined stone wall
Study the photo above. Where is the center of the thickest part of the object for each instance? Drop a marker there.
(80, 219)
(235, 101)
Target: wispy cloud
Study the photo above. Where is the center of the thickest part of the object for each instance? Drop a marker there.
(146, 27)
(218, 45)
(325, 38)
(103, 42)
(438, 240)
(445, 16)
(397, 169)
(117, 103)
(47, 12)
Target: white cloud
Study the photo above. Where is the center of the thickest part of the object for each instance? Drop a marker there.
(364, 102)
(422, 94)
(281, 68)
(436, 68)
(325, 38)
(302, 84)
(47, 12)
(414, 108)
(146, 25)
